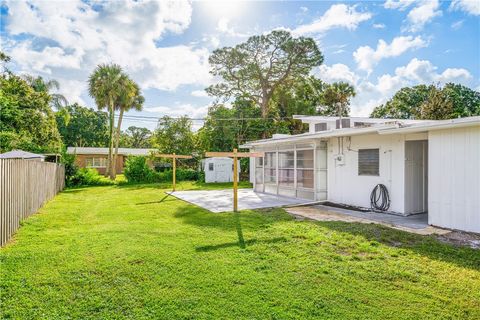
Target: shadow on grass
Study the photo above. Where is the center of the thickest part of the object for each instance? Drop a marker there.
(160, 201)
(235, 244)
(428, 246)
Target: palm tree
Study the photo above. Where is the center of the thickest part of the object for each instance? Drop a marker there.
(106, 85)
(130, 98)
(336, 97)
(40, 85)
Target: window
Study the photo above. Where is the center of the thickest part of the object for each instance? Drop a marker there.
(96, 162)
(286, 161)
(210, 167)
(305, 169)
(320, 127)
(368, 162)
(270, 168)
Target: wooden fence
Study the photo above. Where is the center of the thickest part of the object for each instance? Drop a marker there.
(25, 186)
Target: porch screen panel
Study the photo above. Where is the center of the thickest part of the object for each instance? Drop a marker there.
(286, 165)
(305, 169)
(270, 168)
(259, 174)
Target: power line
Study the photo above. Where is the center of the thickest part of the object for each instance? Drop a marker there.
(150, 118)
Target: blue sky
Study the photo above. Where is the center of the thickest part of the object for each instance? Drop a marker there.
(378, 46)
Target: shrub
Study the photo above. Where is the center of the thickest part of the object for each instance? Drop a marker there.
(88, 177)
(137, 170)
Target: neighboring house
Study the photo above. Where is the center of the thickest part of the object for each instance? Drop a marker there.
(97, 157)
(219, 169)
(20, 154)
(427, 166)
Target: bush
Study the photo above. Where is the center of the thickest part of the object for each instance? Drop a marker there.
(137, 171)
(88, 177)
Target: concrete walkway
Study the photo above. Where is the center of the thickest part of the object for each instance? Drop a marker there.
(222, 200)
(415, 223)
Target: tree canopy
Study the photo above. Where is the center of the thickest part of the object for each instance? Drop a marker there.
(174, 135)
(83, 127)
(26, 120)
(431, 102)
(256, 68)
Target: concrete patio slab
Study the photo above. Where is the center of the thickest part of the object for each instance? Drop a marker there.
(222, 200)
(414, 224)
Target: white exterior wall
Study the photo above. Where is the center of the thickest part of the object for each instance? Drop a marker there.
(454, 178)
(345, 186)
(222, 169)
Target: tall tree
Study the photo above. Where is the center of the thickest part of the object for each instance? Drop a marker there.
(82, 127)
(256, 68)
(130, 98)
(431, 102)
(336, 99)
(136, 137)
(405, 104)
(106, 85)
(39, 84)
(26, 119)
(174, 135)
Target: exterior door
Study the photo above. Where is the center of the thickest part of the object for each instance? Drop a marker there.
(416, 173)
(223, 172)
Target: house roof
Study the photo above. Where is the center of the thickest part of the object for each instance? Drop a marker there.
(20, 154)
(104, 151)
(389, 128)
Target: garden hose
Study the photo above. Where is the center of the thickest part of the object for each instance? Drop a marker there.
(379, 198)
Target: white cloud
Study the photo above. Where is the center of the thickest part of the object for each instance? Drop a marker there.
(457, 25)
(223, 26)
(373, 93)
(469, 6)
(378, 26)
(370, 95)
(68, 39)
(398, 4)
(367, 58)
(336, 72)
(304, 9)
(423, 12)
(337, 16)
(199, 93)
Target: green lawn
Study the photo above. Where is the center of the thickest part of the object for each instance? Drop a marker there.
(133, 252)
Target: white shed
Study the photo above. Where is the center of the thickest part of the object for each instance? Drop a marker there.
(219, 169)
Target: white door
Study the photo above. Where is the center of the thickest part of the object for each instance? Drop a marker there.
(223, 172)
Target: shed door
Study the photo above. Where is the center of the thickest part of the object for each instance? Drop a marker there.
(416, 159)
(223, 172)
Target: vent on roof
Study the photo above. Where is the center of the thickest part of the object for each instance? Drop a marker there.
(362, 124)
(345, 123)
(320, 127)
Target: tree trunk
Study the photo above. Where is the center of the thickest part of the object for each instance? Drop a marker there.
(110, 144)
(117, 140)
(264, 108)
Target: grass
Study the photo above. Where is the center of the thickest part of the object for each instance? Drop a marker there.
(131, 251)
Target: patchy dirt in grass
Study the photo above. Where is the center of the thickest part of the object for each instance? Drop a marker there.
(317, 214)
(461, 238)
(458, 238)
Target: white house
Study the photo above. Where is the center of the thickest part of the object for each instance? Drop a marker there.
(219, 169)
(426, 166)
